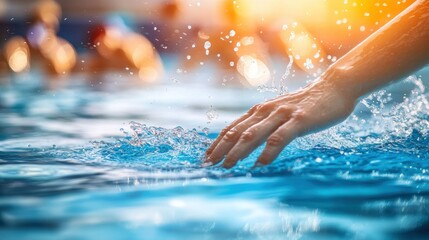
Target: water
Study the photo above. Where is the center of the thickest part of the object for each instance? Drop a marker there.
(86, 162)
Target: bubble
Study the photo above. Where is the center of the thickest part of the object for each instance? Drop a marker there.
(207, 45)
(232, 33)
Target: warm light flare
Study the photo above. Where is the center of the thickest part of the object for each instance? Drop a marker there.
(305, 50)
(48, 12)
(18, 61)
(149, 74)
(138, 49)
(253, 70)
(17, 54)
(63, 57)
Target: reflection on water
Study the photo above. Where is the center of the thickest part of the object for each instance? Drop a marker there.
(68, 171)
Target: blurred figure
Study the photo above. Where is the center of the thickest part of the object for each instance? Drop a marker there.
(55, 54)
(41, 47)
(119, 48)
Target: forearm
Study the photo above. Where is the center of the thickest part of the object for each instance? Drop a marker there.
(391, 53)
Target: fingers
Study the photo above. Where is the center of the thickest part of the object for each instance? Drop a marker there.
(256, 135)
(230, 137)
(277, 141)
(225, 130)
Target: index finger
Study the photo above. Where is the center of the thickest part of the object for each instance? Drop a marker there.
(225, 130)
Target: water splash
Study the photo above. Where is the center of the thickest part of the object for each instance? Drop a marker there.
(379, 119)
(157, 147)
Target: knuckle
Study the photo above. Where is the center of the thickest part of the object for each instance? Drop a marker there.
(231, 135)
(300, 115)
(248, 135)
(284, 111)
(254, 108)
(258, 117)
(266, 107)
(275, 140)
(224, 131)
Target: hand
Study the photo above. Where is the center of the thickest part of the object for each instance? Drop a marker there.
(278, 122)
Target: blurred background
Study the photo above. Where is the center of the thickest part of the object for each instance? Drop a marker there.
(244, 42)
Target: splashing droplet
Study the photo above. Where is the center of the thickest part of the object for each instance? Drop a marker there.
(207, 45)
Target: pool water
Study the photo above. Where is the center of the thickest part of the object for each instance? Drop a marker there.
(112, 161)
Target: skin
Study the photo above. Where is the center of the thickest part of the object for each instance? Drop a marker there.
(395, 51)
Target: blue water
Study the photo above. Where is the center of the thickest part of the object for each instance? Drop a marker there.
(109, 161)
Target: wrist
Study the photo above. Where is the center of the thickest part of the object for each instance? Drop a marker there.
(341, 82)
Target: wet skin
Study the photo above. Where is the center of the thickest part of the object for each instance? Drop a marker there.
(394, 51)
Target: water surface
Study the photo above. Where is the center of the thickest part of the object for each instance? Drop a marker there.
(86, 162)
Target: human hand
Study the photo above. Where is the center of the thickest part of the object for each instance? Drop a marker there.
(278, 122)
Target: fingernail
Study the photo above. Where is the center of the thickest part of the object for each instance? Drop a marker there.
(227, 166)
(207, 158)
(258, 165)
(206, 164)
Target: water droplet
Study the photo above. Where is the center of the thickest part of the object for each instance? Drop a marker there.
(206, 131)
(308, 64)
(212, 114)
(207, 45)
(317, 55)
